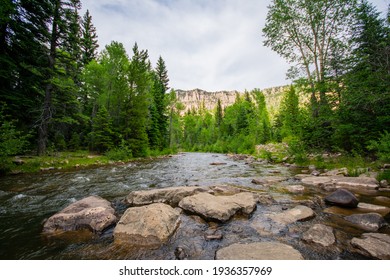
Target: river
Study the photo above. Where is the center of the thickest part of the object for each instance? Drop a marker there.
(26, 200)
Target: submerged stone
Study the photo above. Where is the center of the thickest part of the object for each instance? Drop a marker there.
(259, 251)
(320, 234)
(298, 213)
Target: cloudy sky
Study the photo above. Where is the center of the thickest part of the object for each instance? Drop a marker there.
(207, 44)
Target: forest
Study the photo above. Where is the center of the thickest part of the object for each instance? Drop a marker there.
(58, 93)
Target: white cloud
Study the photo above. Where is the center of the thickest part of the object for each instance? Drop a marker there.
(212, 45)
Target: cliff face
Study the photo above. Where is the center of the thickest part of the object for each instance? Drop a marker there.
(194, 99)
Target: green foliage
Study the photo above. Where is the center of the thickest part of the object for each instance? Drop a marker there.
(296, 149)
(121, 153)
(384, 175)
(75, 142)
(12, 141)
(381, 147)
(102, 136)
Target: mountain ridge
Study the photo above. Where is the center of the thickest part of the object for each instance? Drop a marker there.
(196, 98)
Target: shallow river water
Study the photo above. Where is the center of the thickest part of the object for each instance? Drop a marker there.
(27, 200)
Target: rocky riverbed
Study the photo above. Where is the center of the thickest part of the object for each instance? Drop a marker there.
(256, 211)
(236, 222)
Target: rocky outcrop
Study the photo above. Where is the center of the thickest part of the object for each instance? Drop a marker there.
(259, 251)
(342, 198)
(320, 234)
(150, 225)
(93, 213)
(375, 245)
(367, 222)
(198, 98)
(171, 196)
(298, 213)
(220, 208)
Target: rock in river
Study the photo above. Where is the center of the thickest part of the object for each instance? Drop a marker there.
(320, 234)
(298, 213)
(369, 221)
(343, 198)
(93, 213)
(150, 225)
(259, 251)
(342, 182)
(171, 196)
(376, 245)
(220, 208)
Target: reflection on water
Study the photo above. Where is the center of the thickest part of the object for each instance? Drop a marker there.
(27, 200)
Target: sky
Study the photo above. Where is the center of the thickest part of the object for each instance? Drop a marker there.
(208, 44)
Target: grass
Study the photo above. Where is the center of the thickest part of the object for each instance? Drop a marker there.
(60, 160)
(70, 160)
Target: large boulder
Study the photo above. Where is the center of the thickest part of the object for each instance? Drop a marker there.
(220, 208)
(259, 251)
(320, 234)
(298, 213)
(375, 245)
(171, 196)
(150, 225)
(93, 213)
(368, 222)
(342, 198)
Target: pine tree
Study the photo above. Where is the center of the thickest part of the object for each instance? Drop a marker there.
(218, 114)
(136, 104)
(89, 41)
(101, 137)
(59, 80)
(159, 122)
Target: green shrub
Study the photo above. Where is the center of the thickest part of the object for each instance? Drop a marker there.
(381, 147)
(123, 152)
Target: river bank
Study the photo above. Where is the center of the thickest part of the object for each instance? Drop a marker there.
(66, 161)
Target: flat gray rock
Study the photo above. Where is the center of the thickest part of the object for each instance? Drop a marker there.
(376, 245)
(171, 196)
(220, 208)
(342, 182)
(150, 225)
(368, 221)
(93, 213)
(259, 251)
(298, 213)
(320, 234)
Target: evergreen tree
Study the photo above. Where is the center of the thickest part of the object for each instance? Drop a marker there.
(102, 136)
(89, 41)
(158, 109)
(218, 114)
(289, 114)
(59, 83)
(136, 104)
(363, 114)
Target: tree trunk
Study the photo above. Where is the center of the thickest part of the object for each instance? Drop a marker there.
(43, 130)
